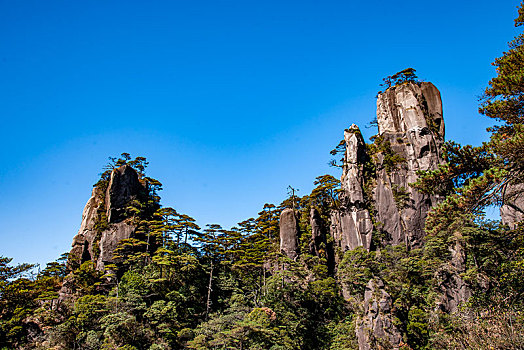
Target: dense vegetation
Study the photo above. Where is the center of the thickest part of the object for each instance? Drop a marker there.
(176, 285)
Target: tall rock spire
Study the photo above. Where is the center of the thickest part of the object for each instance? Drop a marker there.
(411, 133)
(352, 226)
(289, 233)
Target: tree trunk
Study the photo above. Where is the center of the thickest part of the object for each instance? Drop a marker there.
(208, 303)
(264, 283)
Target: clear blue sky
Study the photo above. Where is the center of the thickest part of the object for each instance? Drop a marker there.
(230, 101)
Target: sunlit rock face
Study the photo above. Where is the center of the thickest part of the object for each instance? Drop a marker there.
(95, 240)
(289, 233)
(375, 181)
(409, 107)
(409, 119)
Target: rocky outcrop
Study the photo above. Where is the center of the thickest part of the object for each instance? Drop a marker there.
(103, 224)
(512, 212)
(375, 180)
(409, 107)
(376, 329)
(289, 233)
(377, 198)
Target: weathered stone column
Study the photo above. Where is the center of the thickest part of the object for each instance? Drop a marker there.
(289, 233)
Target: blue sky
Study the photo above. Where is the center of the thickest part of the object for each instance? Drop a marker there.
(230, 101)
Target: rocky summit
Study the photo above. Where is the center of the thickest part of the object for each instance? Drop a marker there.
(104, 222)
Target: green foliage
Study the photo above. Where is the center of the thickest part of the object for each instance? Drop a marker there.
(340, 148)
(390, 159)
(355, 270)
(86, 278)
(417, 327)
(121, 330)
(405, 75)
(344, 336)
(237, 328)
(325, 195)
(401, 196)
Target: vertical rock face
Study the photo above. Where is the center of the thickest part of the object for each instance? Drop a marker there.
(82, 247)
(96, 240)
(375, 329)
(377, 198)
(409, 107)
(289, 233)
(354, 159)
(512, 212)
(410, 135)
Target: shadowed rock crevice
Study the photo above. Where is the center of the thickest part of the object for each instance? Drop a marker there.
(318, 236)
(319, 245)
(123, 187)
